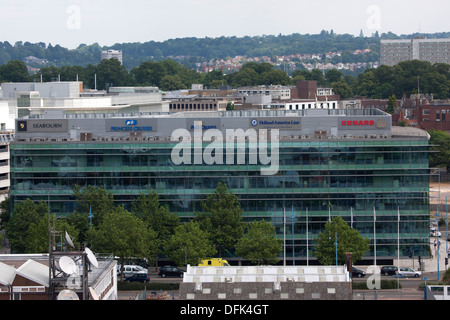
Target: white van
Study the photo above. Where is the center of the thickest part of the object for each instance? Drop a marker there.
(129, 270)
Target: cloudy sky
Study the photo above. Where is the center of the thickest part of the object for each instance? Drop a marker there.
(72, 22)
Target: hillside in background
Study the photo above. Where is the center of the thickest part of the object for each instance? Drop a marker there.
(193, 51)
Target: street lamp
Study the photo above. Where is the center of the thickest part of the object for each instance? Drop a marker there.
(335, 243)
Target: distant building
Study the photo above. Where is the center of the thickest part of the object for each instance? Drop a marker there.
(57, 89)
(109, 54)
(28, 98)
(431, 50)
(433, 116)
(277, 92)
(310, 91)
(301, 105)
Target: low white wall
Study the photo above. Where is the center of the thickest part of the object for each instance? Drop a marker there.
(266, 274)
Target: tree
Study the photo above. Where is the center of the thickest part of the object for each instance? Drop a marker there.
(259, 243)
(334, 75)
(171, 83)
(365, 83)
(392, 104)
(4, 212)
(148, 73)
(38, 233)
(189, 245)
(157, 217)
(28, 227)
(111, 73)
(25, 216)
(221, 218)
(245, 77)
(342, 88)
(124, 235)
(93, 199)
(275, 77)
(348, 240)
(439, 149)
(90, 199)
(14, 71)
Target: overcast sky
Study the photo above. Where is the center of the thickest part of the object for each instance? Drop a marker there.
(72, 22)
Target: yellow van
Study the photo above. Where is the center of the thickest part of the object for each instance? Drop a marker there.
(213, 262)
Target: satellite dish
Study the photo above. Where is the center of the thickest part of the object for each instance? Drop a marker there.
(92, 259)
(68, 265)
(69, 241)
(67, 295)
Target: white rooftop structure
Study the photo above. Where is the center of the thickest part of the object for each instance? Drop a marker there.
(266, 274)
(7, 274)
(34, 271)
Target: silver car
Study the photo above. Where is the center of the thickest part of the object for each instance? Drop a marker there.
(408, 272)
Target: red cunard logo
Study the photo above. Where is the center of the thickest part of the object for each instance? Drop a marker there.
(358, 122)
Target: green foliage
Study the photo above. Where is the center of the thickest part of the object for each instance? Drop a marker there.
(348, 240)
(124, 235)
(27, 215)
(221, 218)
(404, 78)
(28, 227)
(392, 103)
(384, 284)
(93, 199)
(259, 243)
(189, 245)
(110, 73)
(4, 212)
(439, 148)
(156, 216)
(14, 71)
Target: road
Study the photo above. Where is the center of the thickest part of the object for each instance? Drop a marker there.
(409, 288)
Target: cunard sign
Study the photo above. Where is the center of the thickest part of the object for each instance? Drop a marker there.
(363, 124)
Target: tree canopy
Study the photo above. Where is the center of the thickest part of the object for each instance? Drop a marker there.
(221, 217)
(189, 245)
(439, 149)
(348, 240)
(259, 243)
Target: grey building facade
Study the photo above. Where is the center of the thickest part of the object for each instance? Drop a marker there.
(431, 50)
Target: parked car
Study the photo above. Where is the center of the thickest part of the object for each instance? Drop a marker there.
(408, 272)
(435, 233)
(170, 271)
(129, 270)
(138, 277)
(389, 270)
(357, 273)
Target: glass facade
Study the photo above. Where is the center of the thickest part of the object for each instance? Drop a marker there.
(317, 179)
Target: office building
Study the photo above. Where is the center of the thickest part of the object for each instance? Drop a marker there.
(350, 163)
(431, 50)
